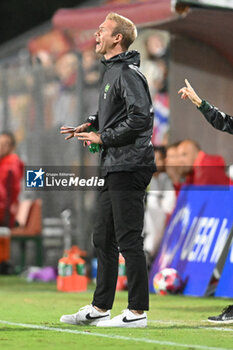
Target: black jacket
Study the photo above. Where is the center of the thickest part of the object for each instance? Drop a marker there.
(218, 119)
(125, 116)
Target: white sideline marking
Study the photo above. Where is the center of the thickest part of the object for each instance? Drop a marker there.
(222, 329)
(167, 322)
(211, 328)
(112, 336)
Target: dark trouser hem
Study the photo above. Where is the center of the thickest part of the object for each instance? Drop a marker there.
(101, 306)
(138, 307)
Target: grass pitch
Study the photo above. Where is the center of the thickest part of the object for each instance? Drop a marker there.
(30, 312)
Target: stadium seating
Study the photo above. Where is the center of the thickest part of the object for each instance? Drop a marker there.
(29, 229)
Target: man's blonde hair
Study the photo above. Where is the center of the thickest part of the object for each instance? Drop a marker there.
(125, 27)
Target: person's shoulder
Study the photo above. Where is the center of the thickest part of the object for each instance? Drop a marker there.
(12, 161)
(13, 157)
(130, 68)
(205, 159)
(133, 72)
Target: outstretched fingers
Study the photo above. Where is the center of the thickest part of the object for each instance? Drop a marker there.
(188, 83)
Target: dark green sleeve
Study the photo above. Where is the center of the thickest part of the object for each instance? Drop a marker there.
(204, 107)
(216, 118)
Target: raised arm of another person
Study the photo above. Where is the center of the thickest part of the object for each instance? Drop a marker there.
(219, 120)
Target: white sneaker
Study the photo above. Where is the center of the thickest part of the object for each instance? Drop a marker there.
(87, 315)
(127, 319)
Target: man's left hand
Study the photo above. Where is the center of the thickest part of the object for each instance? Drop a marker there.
(92, 137)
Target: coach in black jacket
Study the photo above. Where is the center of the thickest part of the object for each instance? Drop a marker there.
(124, 122)
(125, 116)
(218, 119)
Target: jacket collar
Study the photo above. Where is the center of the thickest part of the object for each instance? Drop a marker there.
(129, 57)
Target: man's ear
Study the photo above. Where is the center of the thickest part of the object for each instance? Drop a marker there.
(118, 38)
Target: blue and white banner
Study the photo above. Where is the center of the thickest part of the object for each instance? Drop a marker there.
(225, 286)
(196, 235)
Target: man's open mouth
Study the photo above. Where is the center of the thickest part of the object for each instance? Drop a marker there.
(98, 43)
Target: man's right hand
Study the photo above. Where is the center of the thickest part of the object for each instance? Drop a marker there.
(72, 130)
(188, 91)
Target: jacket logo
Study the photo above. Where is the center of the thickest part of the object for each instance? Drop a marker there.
(107, 87)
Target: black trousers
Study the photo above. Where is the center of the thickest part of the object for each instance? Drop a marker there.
(119, 225)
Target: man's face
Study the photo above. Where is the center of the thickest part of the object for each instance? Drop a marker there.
(5, 146)
(172, 162)
(105, 42)
(187, 153)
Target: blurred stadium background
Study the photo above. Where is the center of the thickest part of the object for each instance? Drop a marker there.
(49, 76)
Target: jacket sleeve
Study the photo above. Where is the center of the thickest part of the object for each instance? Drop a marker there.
(93, 119)
(133, 90)
(216, 118)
